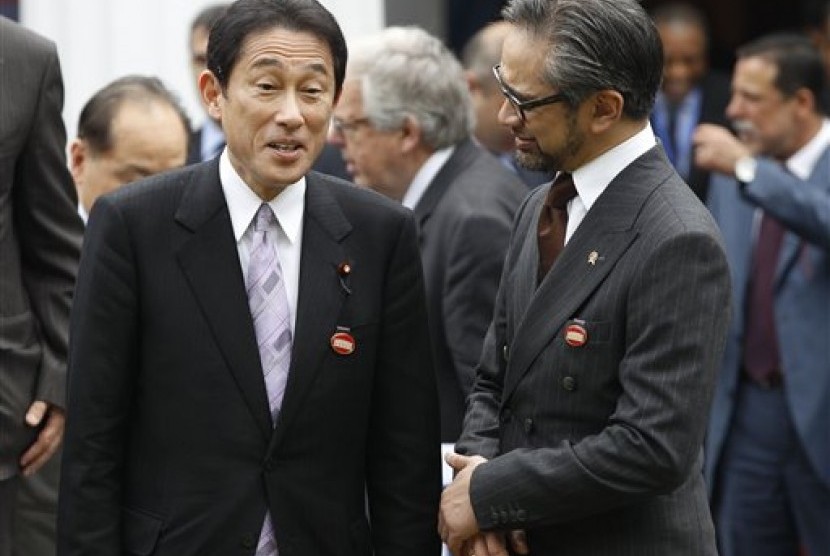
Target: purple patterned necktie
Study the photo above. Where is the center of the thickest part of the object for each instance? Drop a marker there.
(269, 310)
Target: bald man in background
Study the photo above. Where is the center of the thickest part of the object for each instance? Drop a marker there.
(132, 128)
(481, 53)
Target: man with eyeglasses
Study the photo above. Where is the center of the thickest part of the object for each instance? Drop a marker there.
(404, 124)
(583, 433)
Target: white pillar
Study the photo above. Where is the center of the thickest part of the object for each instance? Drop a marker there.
(101, 40)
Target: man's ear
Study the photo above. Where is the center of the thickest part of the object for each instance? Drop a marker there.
(806, 100)
(78, 153)
(412, 134)
(607, 106)
(211, 92)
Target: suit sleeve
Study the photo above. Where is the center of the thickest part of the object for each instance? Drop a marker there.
(102, 368)
(652, 440)
(49, 230)
(403, 459)
(475, 261)
(803, 206)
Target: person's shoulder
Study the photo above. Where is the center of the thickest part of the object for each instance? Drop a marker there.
(158, 188)
(355, 198)
(23, 40)
(485, 183)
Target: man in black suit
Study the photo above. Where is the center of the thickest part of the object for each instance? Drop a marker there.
(250, 364)
(40, 241)
(404, 124)
(691, 93)
(586, 422)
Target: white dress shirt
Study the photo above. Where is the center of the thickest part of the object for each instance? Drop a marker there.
(288, 207)
(426, 173)
(592, 178)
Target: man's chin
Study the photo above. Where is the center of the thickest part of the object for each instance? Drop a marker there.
(536, 162)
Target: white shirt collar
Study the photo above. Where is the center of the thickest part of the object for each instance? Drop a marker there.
(802, 163)
(243, 203)
(426, 173)
(592, 178)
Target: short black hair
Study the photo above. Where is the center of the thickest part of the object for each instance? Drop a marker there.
(798, 62)
(595, 45)
(97, 115)
(246, 17)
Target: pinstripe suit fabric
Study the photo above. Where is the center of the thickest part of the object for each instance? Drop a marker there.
(598, 448)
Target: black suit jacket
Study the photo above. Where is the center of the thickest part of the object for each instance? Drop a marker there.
(40, 236)
(169, 447)
(597, 447)
(464, 222)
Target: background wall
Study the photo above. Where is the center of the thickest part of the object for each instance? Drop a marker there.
(100, 40)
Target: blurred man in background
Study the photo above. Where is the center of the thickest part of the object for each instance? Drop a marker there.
(690, 93)
(481, 53)
(768, 447)
(404, 123)
(132, 128)
(208, 140)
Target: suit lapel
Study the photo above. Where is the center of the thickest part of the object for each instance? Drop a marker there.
(320, 298)
(607, 230)
(209, 260)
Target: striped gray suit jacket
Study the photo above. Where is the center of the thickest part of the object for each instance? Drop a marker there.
(596, 449)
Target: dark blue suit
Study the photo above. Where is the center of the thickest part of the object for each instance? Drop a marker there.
(801, 423)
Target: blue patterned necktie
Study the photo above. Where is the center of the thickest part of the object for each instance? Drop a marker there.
(268, 302)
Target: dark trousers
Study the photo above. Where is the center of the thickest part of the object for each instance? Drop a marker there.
(35, 519)
(8, 494)
(770, 499)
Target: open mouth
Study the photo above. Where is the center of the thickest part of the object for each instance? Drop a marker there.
(285, 147)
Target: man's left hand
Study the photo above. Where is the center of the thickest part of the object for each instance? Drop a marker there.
(48, 439)
(456, 518)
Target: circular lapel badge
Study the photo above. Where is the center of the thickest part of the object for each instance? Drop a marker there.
(576, 335)
(342, 343)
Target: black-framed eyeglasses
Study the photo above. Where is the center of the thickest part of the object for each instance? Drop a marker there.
(522, 106)
(343, 127)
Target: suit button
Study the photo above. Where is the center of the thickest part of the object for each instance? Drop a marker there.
(506, 415)
(528, 424)
(270, 464)
(569, 383)
(248, 541)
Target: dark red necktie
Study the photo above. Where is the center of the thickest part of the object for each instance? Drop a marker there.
(761, 355)
(553, 221)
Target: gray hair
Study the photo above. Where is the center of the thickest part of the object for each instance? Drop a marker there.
(406, 72)
(596, 45)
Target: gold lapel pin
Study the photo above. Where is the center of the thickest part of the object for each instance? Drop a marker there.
(593, 257)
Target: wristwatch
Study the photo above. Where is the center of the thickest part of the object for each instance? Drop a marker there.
(745, 169)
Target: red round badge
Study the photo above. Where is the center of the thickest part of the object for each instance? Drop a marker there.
(342, 343)
(576, 335)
